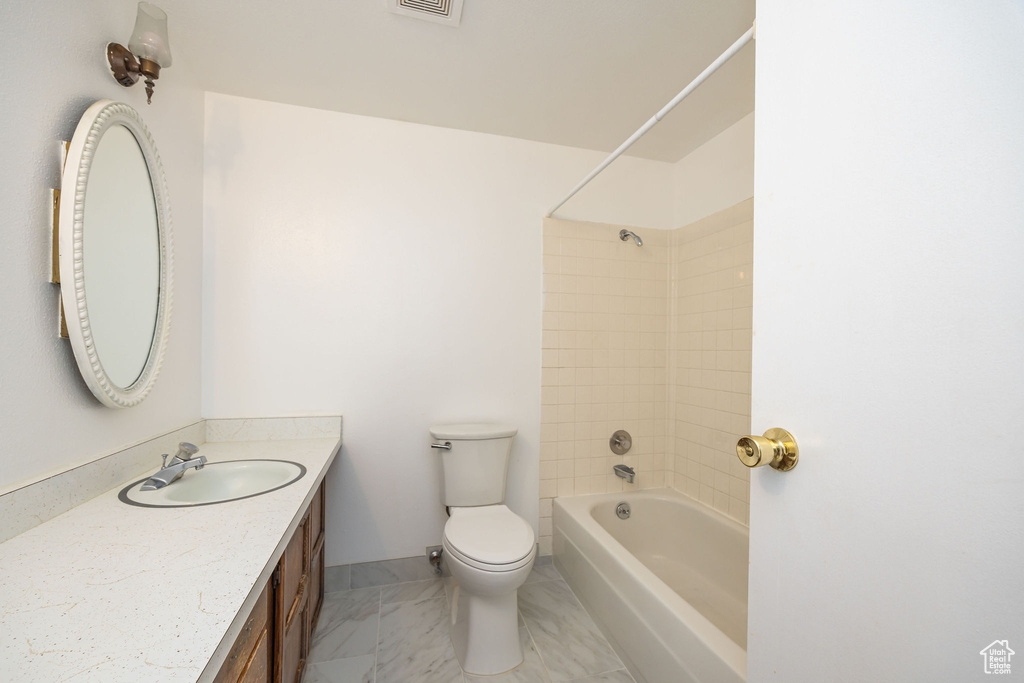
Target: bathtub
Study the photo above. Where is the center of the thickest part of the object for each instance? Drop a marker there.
(667, 586)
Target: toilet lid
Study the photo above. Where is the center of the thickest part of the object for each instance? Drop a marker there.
(491, 534)
(473, 431)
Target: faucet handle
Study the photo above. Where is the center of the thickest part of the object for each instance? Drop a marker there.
(186, 450)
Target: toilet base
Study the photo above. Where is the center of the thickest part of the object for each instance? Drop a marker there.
(485, 632)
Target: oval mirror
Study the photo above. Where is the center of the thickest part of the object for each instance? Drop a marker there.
(115, 254)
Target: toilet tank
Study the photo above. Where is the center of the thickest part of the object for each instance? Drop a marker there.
(475, 468)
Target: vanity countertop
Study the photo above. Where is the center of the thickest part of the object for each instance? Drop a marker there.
(110, 592)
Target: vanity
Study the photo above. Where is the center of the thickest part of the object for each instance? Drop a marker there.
(213, 569)
(274, 642)
(213, 593)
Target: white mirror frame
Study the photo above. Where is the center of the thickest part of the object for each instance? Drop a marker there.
(74, 181)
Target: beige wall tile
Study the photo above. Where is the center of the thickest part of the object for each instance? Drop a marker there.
(710, 339)
(655, 340)
(604, 360)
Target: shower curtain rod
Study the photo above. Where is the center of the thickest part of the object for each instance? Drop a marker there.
(712, 68)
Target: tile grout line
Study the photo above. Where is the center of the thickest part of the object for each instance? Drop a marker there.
(602, 673)
(380, 616)
(540, 655)
(600, 634)
(599, 631)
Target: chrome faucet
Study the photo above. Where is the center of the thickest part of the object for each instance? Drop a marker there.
(627, 473)
(181, 461)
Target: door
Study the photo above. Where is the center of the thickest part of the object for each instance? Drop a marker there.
(889, 339)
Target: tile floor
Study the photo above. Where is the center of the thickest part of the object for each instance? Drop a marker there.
(398, 633)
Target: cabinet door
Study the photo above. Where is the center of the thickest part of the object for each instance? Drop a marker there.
(316, 586)
(294, 568)
(291, 617)
(257, 669)
(246, 651)
(316, 562)
(296, 646)
(316, 516)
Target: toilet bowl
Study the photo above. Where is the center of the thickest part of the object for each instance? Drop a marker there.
(488, 548)
(490, 551)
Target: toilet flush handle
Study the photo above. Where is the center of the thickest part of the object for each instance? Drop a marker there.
(447, 445)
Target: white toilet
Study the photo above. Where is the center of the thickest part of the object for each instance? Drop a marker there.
(488, 548)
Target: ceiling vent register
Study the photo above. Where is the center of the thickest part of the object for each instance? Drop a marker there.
(448, 12)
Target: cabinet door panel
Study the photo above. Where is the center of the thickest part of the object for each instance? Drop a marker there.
(292, 615)
(257, 669)
(247, 641)
(316, 586)
(316, 517)
(295, 648)
(293, 570)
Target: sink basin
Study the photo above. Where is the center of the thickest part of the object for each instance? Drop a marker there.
(217, 482)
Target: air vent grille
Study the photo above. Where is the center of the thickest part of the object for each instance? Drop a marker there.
(438, 11)
(440, 7)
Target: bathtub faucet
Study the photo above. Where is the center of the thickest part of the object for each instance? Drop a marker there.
(627, 473)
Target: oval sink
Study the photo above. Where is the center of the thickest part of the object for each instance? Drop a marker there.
(217, 482)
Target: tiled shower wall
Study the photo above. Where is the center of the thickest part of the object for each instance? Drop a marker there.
(605, 361)
(654, 340)
(711, 263)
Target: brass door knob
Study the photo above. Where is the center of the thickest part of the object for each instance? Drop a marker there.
(776, 448)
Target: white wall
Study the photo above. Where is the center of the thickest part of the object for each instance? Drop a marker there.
(390, 272)
(54, 67)
(716, 175)
(888, 327)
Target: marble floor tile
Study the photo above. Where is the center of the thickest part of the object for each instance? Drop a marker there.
(543, 573)
(348, 670)
(390, 571)
(336, 578)
(414, 644)
(413, 591)
(569, 642)
(449, 588)
(620, 676)
(406, 625)
(347, 626)
(530, 671)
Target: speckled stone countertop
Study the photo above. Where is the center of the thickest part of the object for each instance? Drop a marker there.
(110, 592)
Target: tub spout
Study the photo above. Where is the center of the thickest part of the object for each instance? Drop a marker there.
(627, 473)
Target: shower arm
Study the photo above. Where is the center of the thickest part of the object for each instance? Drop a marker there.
(712, 68)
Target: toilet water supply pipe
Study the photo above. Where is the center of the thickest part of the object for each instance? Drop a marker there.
(712, 68)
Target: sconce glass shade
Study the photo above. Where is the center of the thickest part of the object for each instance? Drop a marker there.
(149, 39)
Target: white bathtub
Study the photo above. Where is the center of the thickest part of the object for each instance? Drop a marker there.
(668, 586)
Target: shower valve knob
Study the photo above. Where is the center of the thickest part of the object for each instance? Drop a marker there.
(776, 448)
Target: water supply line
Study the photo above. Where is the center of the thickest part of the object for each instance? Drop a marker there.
(712, 68)
(435, 560)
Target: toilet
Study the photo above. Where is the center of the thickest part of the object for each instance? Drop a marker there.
(488, 548)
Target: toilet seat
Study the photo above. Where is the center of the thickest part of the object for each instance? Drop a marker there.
(491, 538)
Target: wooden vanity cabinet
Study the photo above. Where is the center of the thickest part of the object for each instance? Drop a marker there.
(317, 525)
(274, 644)
(291, 605)
(249, 659)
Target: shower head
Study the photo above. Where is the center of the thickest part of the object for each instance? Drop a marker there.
(624, 235)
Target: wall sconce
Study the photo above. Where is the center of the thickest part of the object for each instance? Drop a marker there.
(148, 50)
